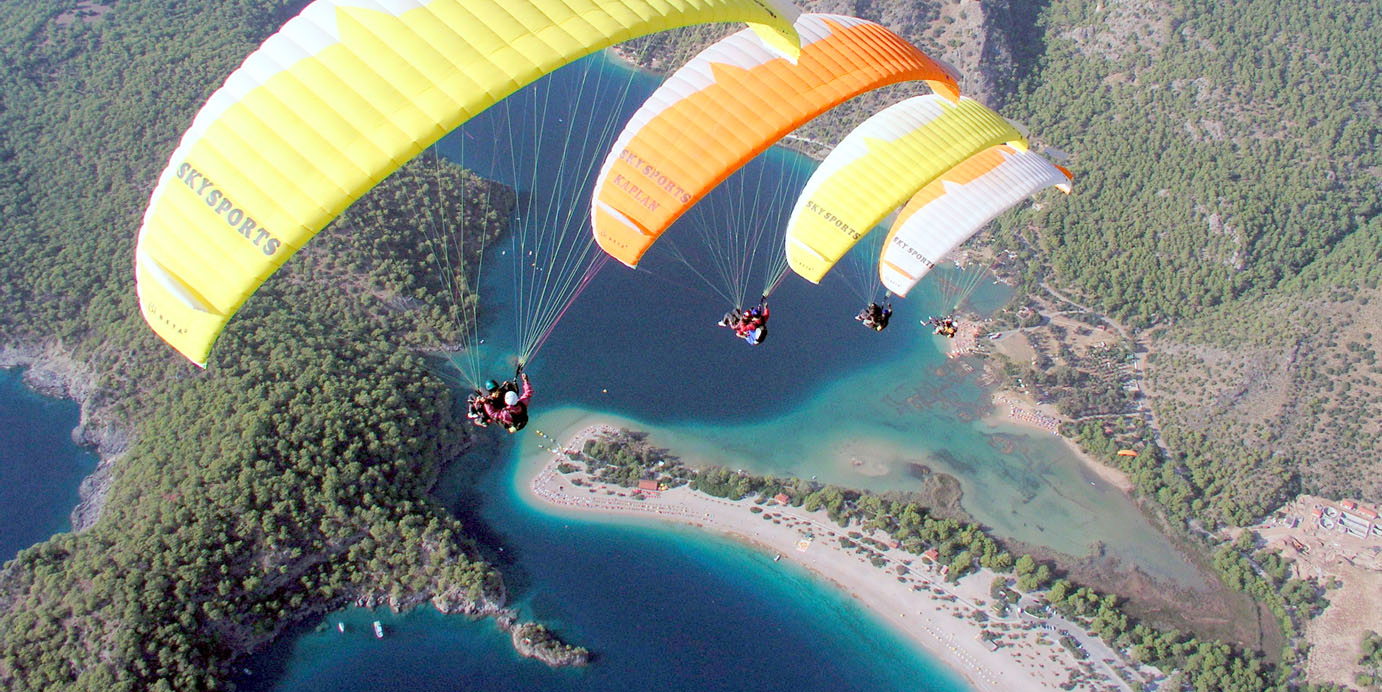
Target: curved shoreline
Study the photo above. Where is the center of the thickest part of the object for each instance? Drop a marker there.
(52, 372)
(934, 615)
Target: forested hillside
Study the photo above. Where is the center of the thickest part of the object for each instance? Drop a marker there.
(1228, 181)
(1228, 163)
(292, 475)
(291, 479)
(1220, 148)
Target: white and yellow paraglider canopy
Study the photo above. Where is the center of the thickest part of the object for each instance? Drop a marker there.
(878, 166)
(955, 206)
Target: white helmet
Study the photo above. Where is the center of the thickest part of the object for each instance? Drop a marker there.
(510, 398)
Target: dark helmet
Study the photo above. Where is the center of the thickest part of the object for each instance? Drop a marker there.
(491, 386)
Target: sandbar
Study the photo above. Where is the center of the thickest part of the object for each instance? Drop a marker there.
(907, 592)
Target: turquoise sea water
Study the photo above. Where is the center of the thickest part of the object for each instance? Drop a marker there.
(666, 607)
(663, 608)
(40, 466)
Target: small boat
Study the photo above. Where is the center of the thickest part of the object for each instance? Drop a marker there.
(340, 627)
(777, 557)
(378, 630)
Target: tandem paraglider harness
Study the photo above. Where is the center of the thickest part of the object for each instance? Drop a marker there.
(504, 403)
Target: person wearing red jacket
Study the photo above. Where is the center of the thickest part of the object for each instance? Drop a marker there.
(751, 325)
(513, 414)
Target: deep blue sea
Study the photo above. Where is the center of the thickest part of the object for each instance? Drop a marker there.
(40, 466)
(662, 608)
(665, 607)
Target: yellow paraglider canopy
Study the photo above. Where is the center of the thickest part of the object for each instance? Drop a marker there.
(337, 100)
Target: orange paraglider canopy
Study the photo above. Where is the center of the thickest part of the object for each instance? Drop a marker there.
(730, 103)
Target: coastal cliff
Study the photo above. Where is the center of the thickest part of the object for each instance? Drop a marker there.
(52, 372)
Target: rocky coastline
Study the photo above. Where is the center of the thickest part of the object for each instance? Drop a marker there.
(54, 372)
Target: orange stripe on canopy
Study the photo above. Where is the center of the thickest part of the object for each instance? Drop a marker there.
(963, 173)
(729, 104)
(897, 269)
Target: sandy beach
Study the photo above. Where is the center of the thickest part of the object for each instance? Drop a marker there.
(1018, 409)
(908, 592)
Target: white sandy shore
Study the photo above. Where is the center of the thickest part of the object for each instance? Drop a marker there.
(1018, 409)
(920, 604)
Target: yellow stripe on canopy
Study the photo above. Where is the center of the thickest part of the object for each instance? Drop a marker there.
(878, 166)
(339, 98)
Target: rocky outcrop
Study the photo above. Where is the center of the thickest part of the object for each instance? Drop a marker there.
(451, 600)
(534, 640)
(530, 639)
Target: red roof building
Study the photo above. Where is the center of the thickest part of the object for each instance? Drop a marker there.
(781, 498)
(1348, 504)
(647, 485)
(931, 555)
(1369, 513)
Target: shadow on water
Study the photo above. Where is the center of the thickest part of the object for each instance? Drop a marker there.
(461, 490)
